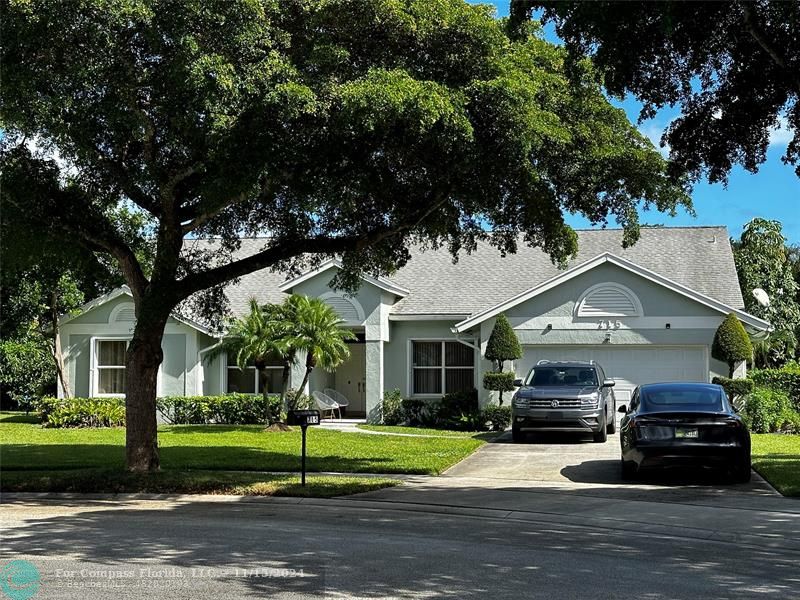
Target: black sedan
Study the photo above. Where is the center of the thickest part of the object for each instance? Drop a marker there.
(683, 424)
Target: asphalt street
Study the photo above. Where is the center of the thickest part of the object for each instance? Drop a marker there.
(218, 547)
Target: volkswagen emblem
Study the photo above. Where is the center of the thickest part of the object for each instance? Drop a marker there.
(554, 403)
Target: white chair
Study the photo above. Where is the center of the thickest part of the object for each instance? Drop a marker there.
(326, 404)
(337, 397)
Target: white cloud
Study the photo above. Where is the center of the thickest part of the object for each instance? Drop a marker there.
(653, 131)
(782, 134)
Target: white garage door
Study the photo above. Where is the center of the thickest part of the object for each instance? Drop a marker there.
(629, 366)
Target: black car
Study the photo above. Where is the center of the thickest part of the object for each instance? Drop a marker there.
(683, 424)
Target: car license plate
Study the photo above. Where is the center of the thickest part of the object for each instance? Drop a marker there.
(686, 433)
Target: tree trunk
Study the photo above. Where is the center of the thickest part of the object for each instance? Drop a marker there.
(143, 359)
(57, 355)
(287, 370)
(305, 380)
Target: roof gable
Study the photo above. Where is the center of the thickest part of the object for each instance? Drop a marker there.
(601, 259)
(378, 282)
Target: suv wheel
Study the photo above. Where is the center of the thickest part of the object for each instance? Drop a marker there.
(612, 425)
(517, 436)
(602, 435)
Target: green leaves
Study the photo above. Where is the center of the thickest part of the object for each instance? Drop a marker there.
(731, 343)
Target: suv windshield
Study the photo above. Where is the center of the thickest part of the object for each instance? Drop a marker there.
(561, 376)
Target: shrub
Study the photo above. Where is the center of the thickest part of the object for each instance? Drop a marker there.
(81, 412)
(731, 343)
(785, 379)
(298, 401)
(415, 412)
(27, 371)
(230, 409)
(458, 403)
(767, 410)
(503, 345)
(499, 381)
(498, 416)
(392, 407)
(734, 388)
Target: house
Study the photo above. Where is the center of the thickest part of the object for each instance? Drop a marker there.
(646, 313)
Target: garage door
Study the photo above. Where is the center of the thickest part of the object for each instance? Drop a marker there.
(629, 366)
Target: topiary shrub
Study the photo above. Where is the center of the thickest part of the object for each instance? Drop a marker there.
(734, 388)
(731, 343)
(392, 407)
(503, 345)
(499, 417)
(767, 411)
(499, 381)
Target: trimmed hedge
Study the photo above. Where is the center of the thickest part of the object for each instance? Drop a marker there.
(230, 409)
(786, 380)
(81, 412)
(768, 411)
(735, 388)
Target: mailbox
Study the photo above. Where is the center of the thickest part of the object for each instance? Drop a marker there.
(304, 418)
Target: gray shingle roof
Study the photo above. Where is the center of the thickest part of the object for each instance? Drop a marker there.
(697, 257)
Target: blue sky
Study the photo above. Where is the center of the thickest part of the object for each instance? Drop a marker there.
(772, 193)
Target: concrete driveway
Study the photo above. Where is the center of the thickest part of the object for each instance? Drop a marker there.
(570, 463)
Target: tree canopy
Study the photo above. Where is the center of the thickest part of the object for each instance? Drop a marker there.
(731, 343)
(732, 67)
(763, 261)
(338, 127)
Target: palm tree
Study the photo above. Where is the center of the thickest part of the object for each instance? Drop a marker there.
(317, 331)
(260, 338)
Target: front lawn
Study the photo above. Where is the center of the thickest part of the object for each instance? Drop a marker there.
(777, 458)
(27, 446)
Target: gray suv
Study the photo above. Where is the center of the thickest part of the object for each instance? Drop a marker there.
(564, 396)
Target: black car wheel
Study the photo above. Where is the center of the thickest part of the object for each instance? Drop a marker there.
(628, 470)
(612, 426)
(602, 435)
(517, 436)
(741, 471)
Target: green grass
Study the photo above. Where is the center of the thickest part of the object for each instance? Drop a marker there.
(189, 482)
(481, 435)
(777, 458)
(27, 446)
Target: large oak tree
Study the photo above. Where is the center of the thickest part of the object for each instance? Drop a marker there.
(732, 67)
(340, 127)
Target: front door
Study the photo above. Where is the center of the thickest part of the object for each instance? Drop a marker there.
(350, 379)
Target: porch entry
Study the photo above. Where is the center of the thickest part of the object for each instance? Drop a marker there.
(350, 379)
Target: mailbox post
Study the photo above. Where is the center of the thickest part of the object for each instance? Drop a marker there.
(304, 418)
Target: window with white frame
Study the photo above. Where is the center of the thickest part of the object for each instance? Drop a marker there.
(441, 367)
(246, 380)
(110, 367)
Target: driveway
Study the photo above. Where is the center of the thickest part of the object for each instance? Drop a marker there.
(576, 464)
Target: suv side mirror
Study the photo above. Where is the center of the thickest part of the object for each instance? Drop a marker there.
(623, 409)
(518, 383)
(609, 383)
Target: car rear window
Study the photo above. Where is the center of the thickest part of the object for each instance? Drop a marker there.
(682, 399)
(562, 376)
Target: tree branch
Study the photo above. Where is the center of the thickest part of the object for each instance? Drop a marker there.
(310, 245)
(761, 39)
